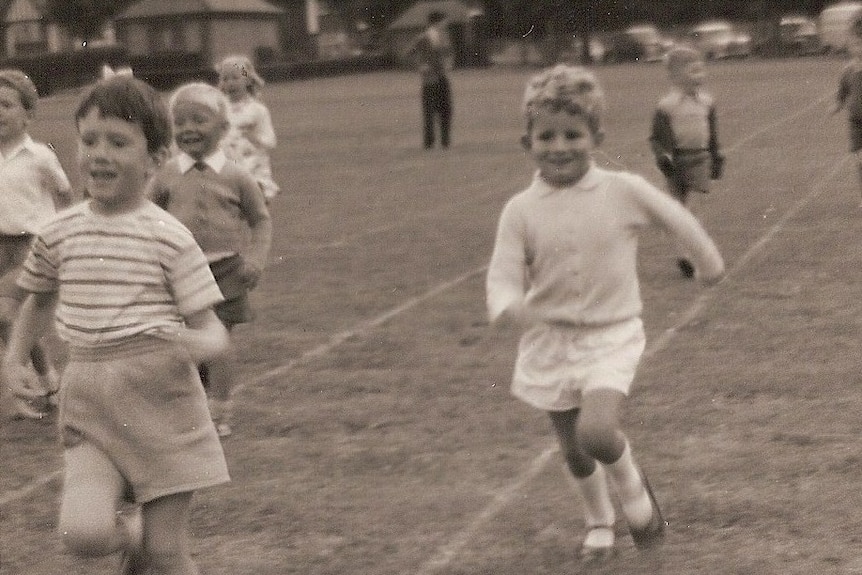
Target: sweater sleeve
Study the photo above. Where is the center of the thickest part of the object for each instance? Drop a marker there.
(505, 283)
(680, 223)
(661, 137)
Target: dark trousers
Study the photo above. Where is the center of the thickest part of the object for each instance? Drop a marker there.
(436, 103)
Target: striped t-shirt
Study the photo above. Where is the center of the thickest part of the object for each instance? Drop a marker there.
(118, 276)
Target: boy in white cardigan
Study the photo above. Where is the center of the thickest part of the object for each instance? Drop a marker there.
(564, 272)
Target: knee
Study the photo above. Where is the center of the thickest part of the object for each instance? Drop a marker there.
(90, 541)
(167, 556)
(602, 442)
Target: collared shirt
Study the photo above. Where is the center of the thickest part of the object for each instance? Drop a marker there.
(689, 118)
(222, 206)
(216, 161)
(31, 178)
(571, 253)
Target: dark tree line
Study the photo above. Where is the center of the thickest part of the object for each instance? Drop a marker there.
(505, 18)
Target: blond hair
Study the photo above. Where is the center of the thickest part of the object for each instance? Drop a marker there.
(565, 87)
(203, 94)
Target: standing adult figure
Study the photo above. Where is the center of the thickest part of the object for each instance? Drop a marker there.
(432, 52)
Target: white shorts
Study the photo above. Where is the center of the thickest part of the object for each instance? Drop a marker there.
(556, 365)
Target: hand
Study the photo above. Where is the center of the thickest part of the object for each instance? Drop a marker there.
(18, 382)
(518, 316)
(249, 275)
(714, 278)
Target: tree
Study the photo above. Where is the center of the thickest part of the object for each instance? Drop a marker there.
(82, 18)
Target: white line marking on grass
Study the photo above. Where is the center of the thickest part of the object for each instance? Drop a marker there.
(360, 329)
(446, 553)
(29, 488)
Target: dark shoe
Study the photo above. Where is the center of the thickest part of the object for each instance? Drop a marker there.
(685, 267)
(652, 534)
(590, 555)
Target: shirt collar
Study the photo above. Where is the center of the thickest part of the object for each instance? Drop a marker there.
(588, 182)
(216, 161)
(26, 144)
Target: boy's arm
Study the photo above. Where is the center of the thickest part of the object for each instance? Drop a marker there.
(717, 168)
(661, 141)
(505, 285)
(34, 319)
(680, 223)
(255, 212)
(203, 337)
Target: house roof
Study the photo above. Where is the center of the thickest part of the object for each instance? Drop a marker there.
(417, 15)
(158, 8)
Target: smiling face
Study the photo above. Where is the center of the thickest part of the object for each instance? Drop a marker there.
(198, 129)
(235, 83)
(114, 162)
(561, 144)
(14, 118)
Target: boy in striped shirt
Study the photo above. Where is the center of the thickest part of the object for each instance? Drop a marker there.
(132, 295)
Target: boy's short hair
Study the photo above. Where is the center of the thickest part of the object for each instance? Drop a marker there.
(680, 56)
(133, 101)
(203, 94)
(565, 87)
(21, 83)
(246, 67)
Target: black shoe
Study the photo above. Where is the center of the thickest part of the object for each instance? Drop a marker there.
(685, 267)
(652, 534)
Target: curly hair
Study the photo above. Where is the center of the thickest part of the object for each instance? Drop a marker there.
(565, 87)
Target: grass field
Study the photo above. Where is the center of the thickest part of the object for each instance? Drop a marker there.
(375, 432)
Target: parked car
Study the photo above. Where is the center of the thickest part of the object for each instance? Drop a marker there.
(641, 43)
(797, 35)
(720, 39)
(833, 24)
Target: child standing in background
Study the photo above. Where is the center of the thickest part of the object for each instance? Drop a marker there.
(133, 298)
(33, 186)
(251, 136)
(225, 210)
(684, 136)
(564, 273)
(850, 90)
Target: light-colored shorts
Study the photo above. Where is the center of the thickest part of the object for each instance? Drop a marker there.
(557, 365)
(142, 404)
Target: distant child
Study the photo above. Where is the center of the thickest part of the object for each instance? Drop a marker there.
(564, 273)
(850, 90)
(133, 298)
(226, 212)
(684, 134)
(33, 186)
(251, 137)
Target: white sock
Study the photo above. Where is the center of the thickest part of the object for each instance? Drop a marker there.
(634, 498)
(596, 497)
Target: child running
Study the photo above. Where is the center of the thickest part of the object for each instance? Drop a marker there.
(251, 136)
(225, 210)
(564, 272)
(133, 297)
(849, 94)
(684, 135)
(34, 186)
